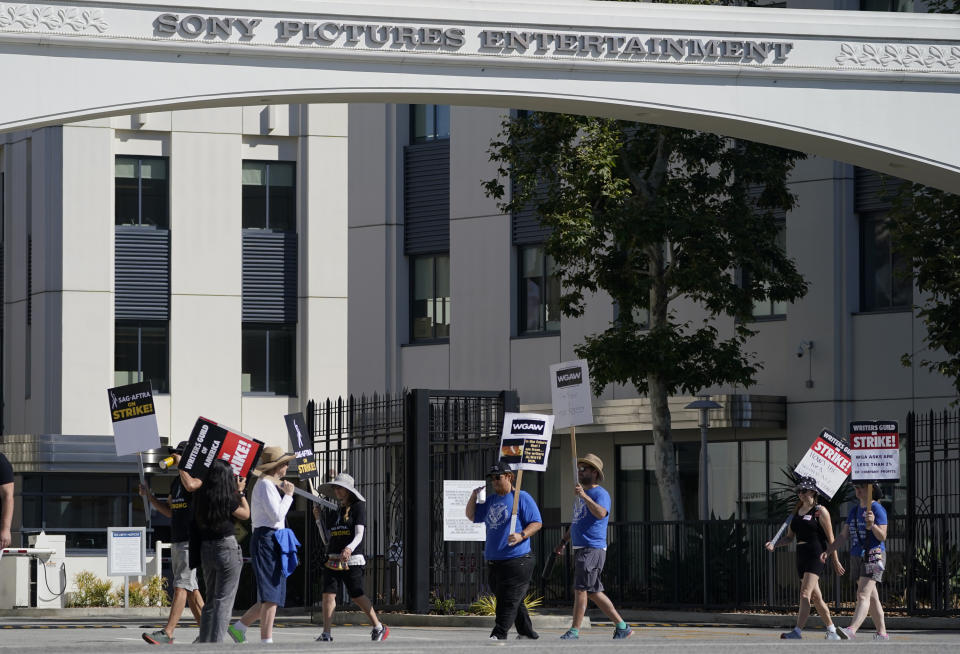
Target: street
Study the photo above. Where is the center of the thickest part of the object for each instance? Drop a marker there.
(298, 636)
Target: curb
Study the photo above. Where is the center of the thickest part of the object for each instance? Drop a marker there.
(781, 621)
(421, 620)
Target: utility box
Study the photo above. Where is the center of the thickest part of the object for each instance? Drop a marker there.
(15, 589)
(50, 572)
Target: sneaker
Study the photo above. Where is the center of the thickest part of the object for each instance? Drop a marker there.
(846, 633)
(793, 634)
(158, 637)
(620, 634)
(533, 636)
(325, 637)
(379, 634)
(879, 636)
(492, 637)
(570, 635)
(237, 635)
(832, 635)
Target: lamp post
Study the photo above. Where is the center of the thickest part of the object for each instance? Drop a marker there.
(703, 404)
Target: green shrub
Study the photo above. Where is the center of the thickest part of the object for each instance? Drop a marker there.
(93, 591)
(487, 604)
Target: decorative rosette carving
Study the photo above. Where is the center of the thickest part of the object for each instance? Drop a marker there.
(896, 56)
(53, 18)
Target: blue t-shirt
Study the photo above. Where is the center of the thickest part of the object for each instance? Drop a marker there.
(862, 539)
(587, 530)
(496, 512)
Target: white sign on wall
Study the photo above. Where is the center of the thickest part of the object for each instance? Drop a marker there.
(456, 526)
(525, 443)
(126, 551)
(570, 393)
(875, 446)
(827, 461)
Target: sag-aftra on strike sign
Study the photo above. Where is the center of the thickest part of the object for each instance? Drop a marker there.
(875, 450)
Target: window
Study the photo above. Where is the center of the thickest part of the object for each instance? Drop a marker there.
(141, 192)
(81, 507)
(539, 292)
(269, 358)
(742, 477)
(767, 308)
(886, 5)
(429, 122)
(141, 353)
(430, 298)
(269, 195)
(885, 281)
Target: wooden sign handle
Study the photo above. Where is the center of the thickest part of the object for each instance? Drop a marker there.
(573, 453)
(516, 501)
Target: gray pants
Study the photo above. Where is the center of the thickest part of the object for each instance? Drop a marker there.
(221, 560)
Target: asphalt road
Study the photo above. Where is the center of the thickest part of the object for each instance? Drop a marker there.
(82, 637)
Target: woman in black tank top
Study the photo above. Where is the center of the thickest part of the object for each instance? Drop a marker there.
(813, 530)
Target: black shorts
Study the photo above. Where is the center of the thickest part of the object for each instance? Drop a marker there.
(808, 559)
(351, 578)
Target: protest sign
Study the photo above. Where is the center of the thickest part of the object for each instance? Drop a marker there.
(827, 461)
(302, 446)
(210, 441)
(525, 442)
(456, 526)
(875, 450)
(570, 394)
(134, 418)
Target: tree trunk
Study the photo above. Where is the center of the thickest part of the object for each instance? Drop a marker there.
(668, 479)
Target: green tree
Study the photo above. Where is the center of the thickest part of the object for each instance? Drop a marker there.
(924, 228)
(652, 214)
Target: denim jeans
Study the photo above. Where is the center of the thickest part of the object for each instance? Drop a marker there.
(509, 580)
(221, 560)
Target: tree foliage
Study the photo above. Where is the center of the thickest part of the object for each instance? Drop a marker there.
(650, 214)
(925, 228)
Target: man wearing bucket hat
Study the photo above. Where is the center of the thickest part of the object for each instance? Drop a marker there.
(269, 505)
(588, 534)
(179, 508)
(342, 532)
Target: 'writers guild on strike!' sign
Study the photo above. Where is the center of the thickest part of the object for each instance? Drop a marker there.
(875, 448)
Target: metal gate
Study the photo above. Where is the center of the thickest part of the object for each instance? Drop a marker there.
(399, 449)
(933, 513)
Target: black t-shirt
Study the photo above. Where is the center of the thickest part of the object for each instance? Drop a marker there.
(181, 507)
(6, 473)
(342, 526)
(214, 531)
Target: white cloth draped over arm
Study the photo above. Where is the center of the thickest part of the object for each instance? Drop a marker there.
(357, 537)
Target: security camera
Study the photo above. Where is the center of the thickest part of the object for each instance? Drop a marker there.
(799, 351)
(805, 346)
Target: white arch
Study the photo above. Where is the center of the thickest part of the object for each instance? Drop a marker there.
(878, 90)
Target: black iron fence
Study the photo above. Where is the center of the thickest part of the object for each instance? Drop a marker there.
(722, 564)
(401, 448)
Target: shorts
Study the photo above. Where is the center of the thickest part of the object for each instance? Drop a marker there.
(351, 578)
(587, 566)
(857, 563)
(808, 559)
(183, 575)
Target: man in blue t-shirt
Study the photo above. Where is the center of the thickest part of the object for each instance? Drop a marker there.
(509, 561)
(588, 533)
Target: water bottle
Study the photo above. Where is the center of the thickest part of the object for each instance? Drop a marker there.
(166, 463)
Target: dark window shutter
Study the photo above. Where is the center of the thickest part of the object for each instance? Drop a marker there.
(525, 225)
(142, 273)
(873, 191)
(269, 276)
(426, 197)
